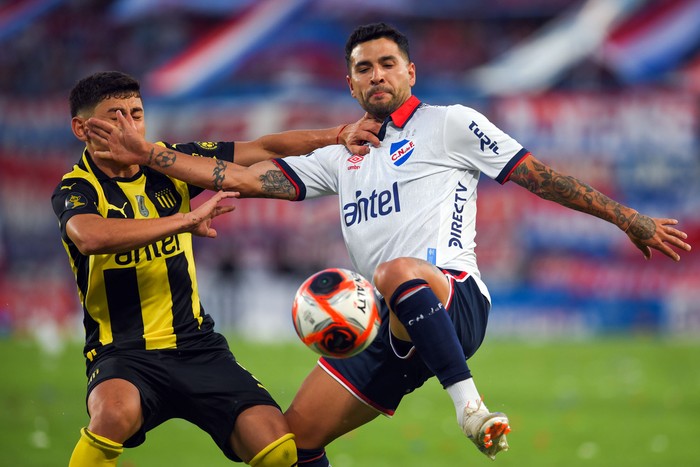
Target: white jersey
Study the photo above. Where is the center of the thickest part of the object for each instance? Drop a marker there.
(414, 195)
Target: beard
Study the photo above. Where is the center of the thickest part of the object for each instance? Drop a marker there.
(381, 109)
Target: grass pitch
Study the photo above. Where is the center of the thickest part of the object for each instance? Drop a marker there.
(605, 402)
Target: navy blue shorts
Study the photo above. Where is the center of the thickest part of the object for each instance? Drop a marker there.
(205, 386)
(380, 378)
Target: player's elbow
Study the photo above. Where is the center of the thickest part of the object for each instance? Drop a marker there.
(88, 240)
(89, 244)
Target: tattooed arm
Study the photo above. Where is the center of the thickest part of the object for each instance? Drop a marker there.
(644, 231)
(261, 180)
(127, 146)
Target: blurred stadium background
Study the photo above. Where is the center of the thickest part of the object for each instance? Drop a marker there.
(607, 90)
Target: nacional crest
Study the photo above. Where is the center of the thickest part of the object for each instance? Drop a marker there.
(401, 151)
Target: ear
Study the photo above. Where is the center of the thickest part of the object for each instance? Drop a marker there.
(77, 124)
(412, 73)
(349, 80)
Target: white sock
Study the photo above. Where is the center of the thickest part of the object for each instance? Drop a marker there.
(464, 393)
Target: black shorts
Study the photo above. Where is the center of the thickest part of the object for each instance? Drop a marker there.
(205, 386)
(380, 378)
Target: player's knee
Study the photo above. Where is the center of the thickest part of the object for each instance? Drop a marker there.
(279, 453)
(116, 422)
(390, 274)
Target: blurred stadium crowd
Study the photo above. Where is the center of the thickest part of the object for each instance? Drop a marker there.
(607, 90)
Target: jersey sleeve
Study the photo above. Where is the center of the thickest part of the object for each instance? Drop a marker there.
(315, 174)
(472, 140)
(217, 150)
(71, 197)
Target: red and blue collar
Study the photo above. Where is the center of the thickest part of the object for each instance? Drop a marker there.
(401, 115)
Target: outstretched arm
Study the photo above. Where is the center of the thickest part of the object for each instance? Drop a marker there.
(127, 146)
(644, 231)
(93, 234)
(353, 136)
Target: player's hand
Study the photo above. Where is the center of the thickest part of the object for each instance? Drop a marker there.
(649, 232)
(199, 219)
(355, 136)
(125, 143)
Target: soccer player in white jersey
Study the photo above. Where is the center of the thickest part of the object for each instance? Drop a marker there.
(408, 212)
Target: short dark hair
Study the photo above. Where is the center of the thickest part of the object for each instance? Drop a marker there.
(369, 32)
(90, 91)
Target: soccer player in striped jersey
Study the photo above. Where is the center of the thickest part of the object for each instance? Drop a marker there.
(408, 212)
(151, 350)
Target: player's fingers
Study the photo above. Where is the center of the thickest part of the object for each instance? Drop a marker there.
(223, 210)
(101, 154)
(230, 194)
(125, 121)
(95, 132)
(646, 251)
(668, 221)
(668, 251)
(361, 150)
(675, 233)
(97, 123)
(371, 138)
(678, 243)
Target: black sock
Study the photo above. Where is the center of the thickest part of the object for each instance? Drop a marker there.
(431, 330)
(312, 458)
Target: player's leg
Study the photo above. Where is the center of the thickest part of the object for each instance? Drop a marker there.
(262, 438)
(114, 406)
(416, 291)
(322, 411)
(216, 393)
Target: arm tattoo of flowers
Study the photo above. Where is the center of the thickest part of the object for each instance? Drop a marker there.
(275, 185)
(567, 191)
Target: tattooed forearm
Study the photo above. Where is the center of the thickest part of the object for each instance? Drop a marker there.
(165, 158)
(219, 174)
(569, 192)
(276, 185)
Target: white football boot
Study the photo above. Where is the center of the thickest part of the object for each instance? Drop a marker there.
(487, 430)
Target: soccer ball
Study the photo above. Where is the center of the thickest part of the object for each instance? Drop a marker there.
(335, 313)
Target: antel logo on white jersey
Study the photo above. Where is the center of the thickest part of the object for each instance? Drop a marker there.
(368, 206)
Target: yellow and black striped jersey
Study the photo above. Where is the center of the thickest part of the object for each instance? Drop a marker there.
(146, 298)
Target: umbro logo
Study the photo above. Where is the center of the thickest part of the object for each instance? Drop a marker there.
(354, 161)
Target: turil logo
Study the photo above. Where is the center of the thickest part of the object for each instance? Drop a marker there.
(484, 140)
(75, 200)
(208, 145)
(401, 151)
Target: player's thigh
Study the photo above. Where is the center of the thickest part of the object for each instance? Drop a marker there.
(256, 428)
(323, 410)
(115, 411)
